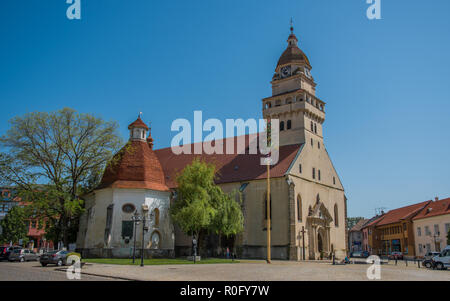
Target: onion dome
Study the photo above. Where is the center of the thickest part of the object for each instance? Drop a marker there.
(293, 54)
(135, 165)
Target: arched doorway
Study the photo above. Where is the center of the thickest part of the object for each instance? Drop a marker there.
(319, 243)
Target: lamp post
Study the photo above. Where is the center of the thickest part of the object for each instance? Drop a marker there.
(435, 238)
(136, 218)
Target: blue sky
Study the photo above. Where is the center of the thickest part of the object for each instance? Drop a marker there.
(386, 82)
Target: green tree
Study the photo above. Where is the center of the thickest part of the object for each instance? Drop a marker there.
(65, 152)
(202, 206)
(14, 226)
(229, 219)
(352, 221)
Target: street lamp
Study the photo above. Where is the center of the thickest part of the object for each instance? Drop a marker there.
(437, 239)
(136, 219)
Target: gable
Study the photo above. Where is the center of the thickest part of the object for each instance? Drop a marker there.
(310, 157)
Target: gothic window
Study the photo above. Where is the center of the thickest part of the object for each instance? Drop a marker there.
(278, 103)
(289, 125)
(317, 199)
(336, 216)
(334, 181)
(312, 142)
(300, 168)
(156, 216)
(318, 174)
(313, 173)
(299, 208)
(312, 126)
(282, 126)
(318, 144)
(315, 128)
(109, 213)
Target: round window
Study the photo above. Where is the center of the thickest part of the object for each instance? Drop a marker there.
(128, 208)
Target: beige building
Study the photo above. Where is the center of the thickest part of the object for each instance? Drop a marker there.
(431, 227)
(308, 204)
(307, 195)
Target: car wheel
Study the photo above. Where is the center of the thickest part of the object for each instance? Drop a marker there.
(43, 264)
(439, 266)
(59, 263)
(428, 265)
(22, 259)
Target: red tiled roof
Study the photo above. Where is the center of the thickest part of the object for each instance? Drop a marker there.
(135, 166)
(399, 214)
(373, 221)
(435, 208)
(138, 123)
(230, 168)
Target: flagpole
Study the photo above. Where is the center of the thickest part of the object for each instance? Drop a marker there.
(269, 133)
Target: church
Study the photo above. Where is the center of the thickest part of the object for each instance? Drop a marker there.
(308, 202)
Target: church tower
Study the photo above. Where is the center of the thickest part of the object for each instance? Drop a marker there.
(293, 99)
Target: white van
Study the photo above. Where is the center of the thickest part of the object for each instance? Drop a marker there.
(442, 260)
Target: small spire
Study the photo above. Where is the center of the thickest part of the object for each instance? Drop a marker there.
(140, 115)
(292, 26)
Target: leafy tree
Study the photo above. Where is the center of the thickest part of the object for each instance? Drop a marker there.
(202, 205)
(14, 226)
(352, 221)
(229, 219)
(65, 152)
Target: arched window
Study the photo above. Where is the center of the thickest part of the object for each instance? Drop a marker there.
(299, 208)
(156, 216)
(312, 126)
(336, 216)
(289, 124)
(282, 126)
(315, 128)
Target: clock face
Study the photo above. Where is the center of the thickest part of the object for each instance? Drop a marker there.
(286, 71)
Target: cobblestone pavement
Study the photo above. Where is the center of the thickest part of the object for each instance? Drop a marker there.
(260, 271)
(244, 271)
(33, 271)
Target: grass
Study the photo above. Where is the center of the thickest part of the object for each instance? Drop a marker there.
(155, 261)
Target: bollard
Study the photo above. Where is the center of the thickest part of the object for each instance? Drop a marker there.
(395, 260)
(406, 262)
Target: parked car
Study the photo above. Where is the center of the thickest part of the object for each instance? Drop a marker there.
(54, 257)
(396, 255)
(442, 260)
(360, 254)
(23, 255)
(5, 251)
(428, 259)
